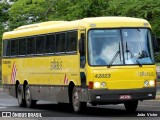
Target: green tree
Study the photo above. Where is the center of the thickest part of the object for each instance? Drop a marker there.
(4, 7)
(71, 9)
(28, 11)
(147, 9)
(43, 10)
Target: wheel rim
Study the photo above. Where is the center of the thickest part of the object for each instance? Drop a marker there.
(19, 96)
(75, 100)
(27, 96)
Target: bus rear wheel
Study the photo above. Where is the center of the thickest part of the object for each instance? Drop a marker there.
(76, 104)
(131, 106)
(21, 101)
(28, 99)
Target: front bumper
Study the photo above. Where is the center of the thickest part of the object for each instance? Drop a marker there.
(113, 96)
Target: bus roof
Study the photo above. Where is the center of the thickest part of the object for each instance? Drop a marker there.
(85, 23)
(38, 25)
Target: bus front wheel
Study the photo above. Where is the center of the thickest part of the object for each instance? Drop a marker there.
(76, 104)
(21, 101)
(131, 106)
(29, 102)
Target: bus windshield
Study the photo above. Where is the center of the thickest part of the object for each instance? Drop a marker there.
(131, 46)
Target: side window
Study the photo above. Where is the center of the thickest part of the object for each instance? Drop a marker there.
(40, 44)
(6, 48)
(14, 47)
(60, 42)
(72, 41)
(31, 45)
(22, 46)
(50, 43)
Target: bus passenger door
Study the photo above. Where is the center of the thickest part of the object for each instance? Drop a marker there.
(82, 51)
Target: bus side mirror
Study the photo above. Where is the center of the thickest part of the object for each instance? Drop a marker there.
(81, 44)
(155, 44)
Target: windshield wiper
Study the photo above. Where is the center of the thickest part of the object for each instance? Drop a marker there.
(115, 56)
(128, 51)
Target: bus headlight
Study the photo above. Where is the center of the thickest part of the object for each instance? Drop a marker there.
(151, 82)
(96, 84)
(103, 84)
(146, 83)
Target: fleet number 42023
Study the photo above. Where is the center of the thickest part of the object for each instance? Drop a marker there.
(102, 75)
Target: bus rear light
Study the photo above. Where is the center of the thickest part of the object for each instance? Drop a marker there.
(90, 85)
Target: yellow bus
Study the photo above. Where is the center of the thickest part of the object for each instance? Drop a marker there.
(99, 60)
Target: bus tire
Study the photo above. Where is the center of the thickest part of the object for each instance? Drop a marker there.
(21, 101)
(131, 106)
(28, 99)
(76, 104)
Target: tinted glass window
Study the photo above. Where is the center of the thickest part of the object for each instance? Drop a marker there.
(72, 41)
(60, 42)
(31, 45)
(22, 46)
(14, 47)
(50, 43)
(6, 48)
(40, 43)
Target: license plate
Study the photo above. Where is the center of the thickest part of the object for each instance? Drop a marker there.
(125, 97)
